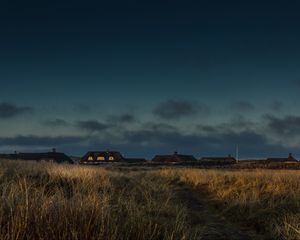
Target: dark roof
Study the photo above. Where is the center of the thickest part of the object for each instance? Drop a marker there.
(48, 156)
(218, 159)
(174, 158)
(290, 158)
(106, 154)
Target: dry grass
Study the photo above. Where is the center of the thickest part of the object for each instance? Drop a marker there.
(266, 200)
(48, 201)
(41, 201)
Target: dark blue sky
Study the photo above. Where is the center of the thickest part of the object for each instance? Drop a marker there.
(148, 77)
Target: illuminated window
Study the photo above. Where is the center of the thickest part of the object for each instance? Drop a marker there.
(100, 158)
(111, 158)
(90, 158)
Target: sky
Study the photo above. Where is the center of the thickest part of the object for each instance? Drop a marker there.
(150, 77)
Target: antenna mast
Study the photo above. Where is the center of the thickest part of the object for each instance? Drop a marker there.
(237, 152)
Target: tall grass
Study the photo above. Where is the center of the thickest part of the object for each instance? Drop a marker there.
(266, 200)
(47, 201)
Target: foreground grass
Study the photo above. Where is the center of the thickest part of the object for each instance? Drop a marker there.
(48, 201)
(265, 200)
(40, 201)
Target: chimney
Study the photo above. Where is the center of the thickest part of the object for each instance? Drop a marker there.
(54, 150)
(290, 155)
(175, 153)
(229, 156)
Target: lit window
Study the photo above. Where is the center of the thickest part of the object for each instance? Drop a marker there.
(100, 158)
(111, 158)
(90, 158)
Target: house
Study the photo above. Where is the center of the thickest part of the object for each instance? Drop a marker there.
(53, 156)
(290, 158)
(96, 157)
(219, 160)
(103, 156)
(174, 158)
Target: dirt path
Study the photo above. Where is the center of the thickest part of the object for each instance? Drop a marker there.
(206, 218)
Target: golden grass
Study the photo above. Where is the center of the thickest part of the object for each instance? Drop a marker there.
(45, 201)
(49, 201)
(266, 200)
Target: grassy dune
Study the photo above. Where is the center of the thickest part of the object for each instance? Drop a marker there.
(40, 201)
(265, 200)
(48, 201)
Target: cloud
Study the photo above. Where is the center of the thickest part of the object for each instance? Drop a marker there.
(175, 109)
(123, 118)
(238, 122)
(93, 126)
(215, 141)
(209, 137)
(235, 124)
(246, 137)
(206, 128)
(44, 141)
(153, 126)
(288, 126)
(8, 110)
(56, 123)
(151, 133)
(283, 132)
(242, 106)
(158, 138)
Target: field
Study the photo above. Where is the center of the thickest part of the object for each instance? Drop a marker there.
(49, 201)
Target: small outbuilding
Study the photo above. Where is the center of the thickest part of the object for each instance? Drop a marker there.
(174, 158)
(290, 158)
(218, 160)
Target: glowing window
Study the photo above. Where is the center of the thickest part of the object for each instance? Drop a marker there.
(100, 158)
(90, 158)
(111, 158)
